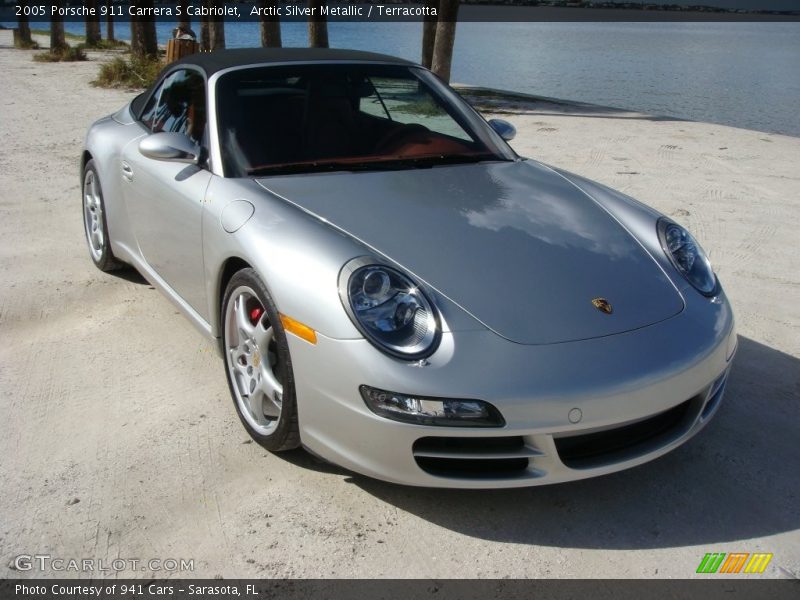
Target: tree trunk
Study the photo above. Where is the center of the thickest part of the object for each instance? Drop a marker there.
(429, 34)
(144, 43)
(205, 34)
(57, 40)
(92, 23)
(216, 29)
(185, 21)
(445, 38)
(318, 25)
(109, 22)
(25, 40)
(270, 26)
(135, 37)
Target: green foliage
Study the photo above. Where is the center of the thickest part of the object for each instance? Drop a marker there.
(65, 54)
(128, 73)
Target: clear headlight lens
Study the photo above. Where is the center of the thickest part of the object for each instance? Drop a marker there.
(449, 412)
(687, 256)
(389, 309)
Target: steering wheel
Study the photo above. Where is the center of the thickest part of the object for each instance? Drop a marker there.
(398, 135)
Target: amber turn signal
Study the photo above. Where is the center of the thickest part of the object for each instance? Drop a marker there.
(304, 332)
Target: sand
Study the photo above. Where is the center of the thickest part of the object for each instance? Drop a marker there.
(119, 439)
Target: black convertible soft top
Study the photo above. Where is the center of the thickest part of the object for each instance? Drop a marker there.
(211, 62)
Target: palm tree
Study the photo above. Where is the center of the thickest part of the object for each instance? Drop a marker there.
(23, 26)
(318, 25)
(212, 30)
(109, 21)
(270, 26)
(445, 38)
(205, 34)
(429, 34)
(57, 40)
(217, 30)
(185, 22)
(92, 23)
(144, 43)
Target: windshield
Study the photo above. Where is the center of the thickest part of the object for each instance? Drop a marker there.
(306, 118)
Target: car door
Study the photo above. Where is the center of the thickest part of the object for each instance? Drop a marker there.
(165, 199)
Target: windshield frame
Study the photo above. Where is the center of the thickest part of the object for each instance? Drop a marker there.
(456, 107)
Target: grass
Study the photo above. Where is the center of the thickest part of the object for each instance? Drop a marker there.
(128, 73)
(65, 54)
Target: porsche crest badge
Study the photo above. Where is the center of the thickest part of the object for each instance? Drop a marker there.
(603, 305)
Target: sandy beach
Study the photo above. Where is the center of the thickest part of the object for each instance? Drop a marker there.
(119, 439)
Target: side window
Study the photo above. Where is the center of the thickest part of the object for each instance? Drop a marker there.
(407, 101)
(178, 105)
(148, 117)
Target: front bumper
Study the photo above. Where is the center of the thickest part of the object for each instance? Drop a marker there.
(572, 410)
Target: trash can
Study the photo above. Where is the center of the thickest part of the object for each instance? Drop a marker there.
(182, 43)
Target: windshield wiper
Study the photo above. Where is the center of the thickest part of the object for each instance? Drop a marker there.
(419, 162)
(452, 159)
(326, 166)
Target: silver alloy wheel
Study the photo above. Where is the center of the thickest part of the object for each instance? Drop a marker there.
(251, 359)
(93, 215)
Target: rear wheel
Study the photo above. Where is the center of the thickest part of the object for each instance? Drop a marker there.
(94, 221)
(257, 363)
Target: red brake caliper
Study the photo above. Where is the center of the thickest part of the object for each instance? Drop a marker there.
(255, 314)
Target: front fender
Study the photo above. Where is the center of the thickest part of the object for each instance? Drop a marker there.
(297, 256)
(104, 142)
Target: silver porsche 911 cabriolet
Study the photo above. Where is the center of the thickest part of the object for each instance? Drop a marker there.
(392, 287)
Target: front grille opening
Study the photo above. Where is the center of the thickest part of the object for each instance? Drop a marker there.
(473, 468)
(622, 443)
(473, 458)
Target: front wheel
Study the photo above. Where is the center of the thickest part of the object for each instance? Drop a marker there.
(257, 363)
(94, 221)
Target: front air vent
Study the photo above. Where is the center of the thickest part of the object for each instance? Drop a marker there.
(474, 458)
(623, 443)
(714, 396)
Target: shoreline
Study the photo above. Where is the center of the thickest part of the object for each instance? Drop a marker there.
(496, 100)
(96, 370)
(718, 96)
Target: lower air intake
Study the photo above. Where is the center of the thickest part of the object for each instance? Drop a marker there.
(622, 443)
(473, 458)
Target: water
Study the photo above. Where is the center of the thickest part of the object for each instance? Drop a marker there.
(740, 74)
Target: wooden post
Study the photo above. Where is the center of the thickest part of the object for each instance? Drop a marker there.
(179, 48)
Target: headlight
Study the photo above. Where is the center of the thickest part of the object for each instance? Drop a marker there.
(687, 256)
(391, 311)
(449, 412)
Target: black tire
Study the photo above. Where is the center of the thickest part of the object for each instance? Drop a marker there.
(99, 250)
(286, 433)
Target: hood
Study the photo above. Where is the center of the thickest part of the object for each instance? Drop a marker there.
(514, 244)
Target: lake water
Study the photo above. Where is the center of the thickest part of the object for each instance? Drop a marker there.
(740, 74)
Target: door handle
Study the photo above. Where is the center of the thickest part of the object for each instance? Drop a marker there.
(127, 172)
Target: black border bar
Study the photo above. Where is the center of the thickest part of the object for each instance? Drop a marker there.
(414, 11)
(713, 588)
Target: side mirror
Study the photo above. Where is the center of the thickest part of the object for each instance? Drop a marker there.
(171, 147)
(503, 128)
